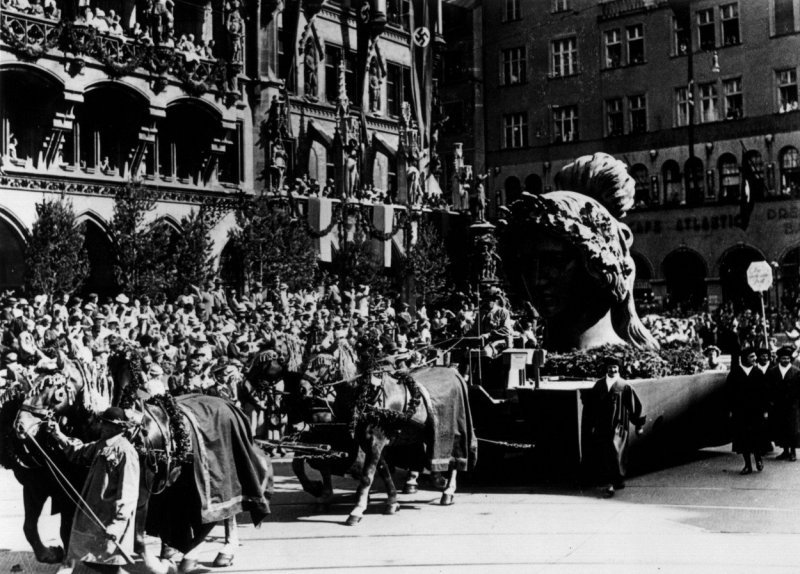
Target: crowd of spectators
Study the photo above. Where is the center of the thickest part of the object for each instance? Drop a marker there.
(207, 340)
(308, 187)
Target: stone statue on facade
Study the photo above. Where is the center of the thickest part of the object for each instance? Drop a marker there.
(351, 170)
(234, 23)
(570, 256)
(374, 87)
(478, 197)
(310, 70)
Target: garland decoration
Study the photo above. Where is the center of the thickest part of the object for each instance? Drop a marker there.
(672, 359)
(390, 421)
(181, 441)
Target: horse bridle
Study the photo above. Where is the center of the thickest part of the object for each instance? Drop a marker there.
(58, 381)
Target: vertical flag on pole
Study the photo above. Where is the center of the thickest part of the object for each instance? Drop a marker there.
(752, 186)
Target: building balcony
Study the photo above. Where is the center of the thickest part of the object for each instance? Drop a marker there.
(79, 45)
(619, 8)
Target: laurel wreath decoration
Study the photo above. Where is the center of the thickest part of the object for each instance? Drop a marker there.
(390, 421)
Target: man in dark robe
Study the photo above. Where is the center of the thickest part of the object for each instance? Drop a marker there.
(609, 409)
(784, 380)
(749, 394)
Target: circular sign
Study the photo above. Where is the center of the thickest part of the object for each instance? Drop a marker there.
(422, 36)
(759, 276)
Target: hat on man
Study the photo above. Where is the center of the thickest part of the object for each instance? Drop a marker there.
(747, 351)
(785, 351)
(122, 298)
(761, 351)
(115, 416)
(612, 361)
(155, 370)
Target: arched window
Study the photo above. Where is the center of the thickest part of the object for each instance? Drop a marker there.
(101, 279)
(695, 180)
(183, 153)
(790, 171)
(685, 272)
(790, 277)
(640, 174)
(733, 276)
(513, 189)
(673, 186)
(754, 159)
(29, 102)
(729, 178)
(12, 256)
(533, 184)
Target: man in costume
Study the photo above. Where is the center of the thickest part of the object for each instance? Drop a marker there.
(784, 379)
(749, 405)
(111, 491)
(609, 409)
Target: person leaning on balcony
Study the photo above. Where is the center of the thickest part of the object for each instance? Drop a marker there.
(609, 408)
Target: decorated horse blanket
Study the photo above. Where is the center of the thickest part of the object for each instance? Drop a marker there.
(451, 440)
(231, 474)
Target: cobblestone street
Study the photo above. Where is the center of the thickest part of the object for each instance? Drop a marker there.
(700, 516)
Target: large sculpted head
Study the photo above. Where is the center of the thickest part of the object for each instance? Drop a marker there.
(570, 256)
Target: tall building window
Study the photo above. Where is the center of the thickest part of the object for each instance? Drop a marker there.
(560, 5)
(784, 16)
(397, 13)
(637, 110)
(682, 107)
(709, 109)
(565, 56)
(734, 104)
(283, 59)
(613, 48)
(512, 10)
(787, 90)
(614, 118)
(332, 56)
(705, 29)
(515, 130)
(680, 38)
(565, 124)
(398, 88)
(729, 179)
(636, 44)
(790, 170)
(513, 66)
(729, 16)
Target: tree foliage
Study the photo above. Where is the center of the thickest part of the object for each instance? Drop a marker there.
(355, 262)
(272, 244)
(55, 255)
(192, 258)
(143, 262)
(428, 263)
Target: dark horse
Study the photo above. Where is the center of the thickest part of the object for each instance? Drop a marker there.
(423, 415)
(37, 484)
(168, 451)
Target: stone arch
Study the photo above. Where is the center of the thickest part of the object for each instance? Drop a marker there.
(685, 271)
(29, 102)
(108, 138)
(13, 239)
(182, 153)
(733, 264)
(100, 250)
(533, 184)
(789, 265)
(231, 270)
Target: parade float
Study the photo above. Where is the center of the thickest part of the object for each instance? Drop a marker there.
(568, 255)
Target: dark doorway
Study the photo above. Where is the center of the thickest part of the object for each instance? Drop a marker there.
(685, 275)
(101, 279)
(733, 276)
(12, 257)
